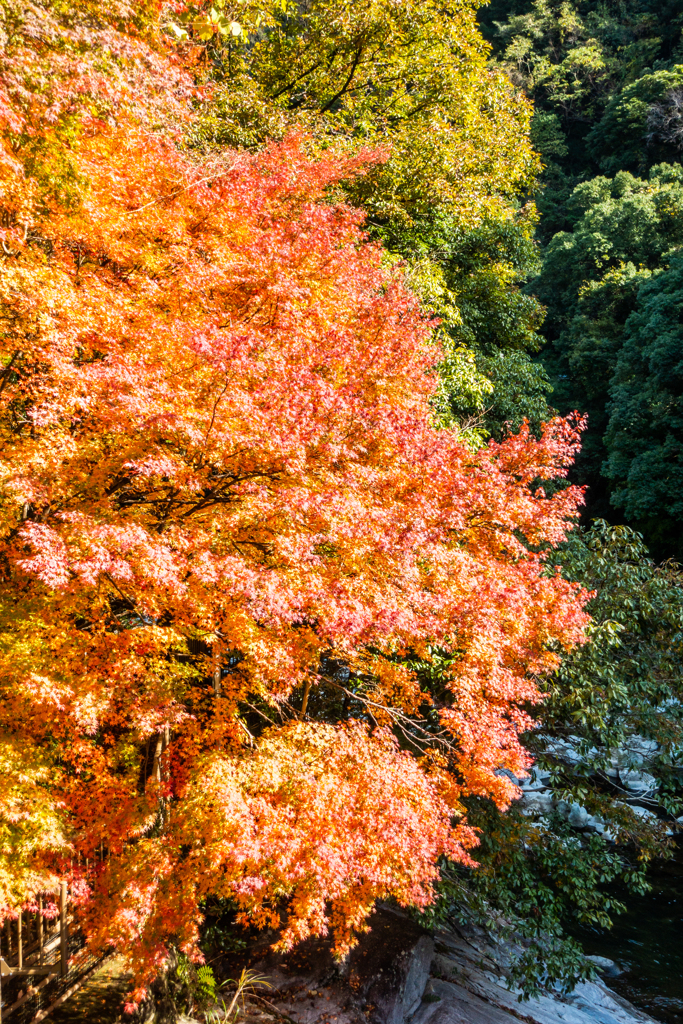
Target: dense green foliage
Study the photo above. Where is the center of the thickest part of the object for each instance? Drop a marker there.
(598, 71)
(472, 277)
(644, 437)
(606, 77)
(411, 77)
(596, 283)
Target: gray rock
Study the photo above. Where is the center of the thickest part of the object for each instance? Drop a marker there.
(382, 980)
(565, 750)
(537, 780)
(537, 802)
(532, 785)
(471, 988)
(578, 816)
(457, 1005)
(608, 968)
(640, 745)
(635, 753)
(386, 981)
(637, 782)
(644, 812)
(397, 993)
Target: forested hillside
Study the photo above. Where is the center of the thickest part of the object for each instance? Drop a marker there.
(302, 308)
(606, 79)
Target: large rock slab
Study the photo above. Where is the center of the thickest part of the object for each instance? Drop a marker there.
(400, 974)
(468, 985)
(394, 989)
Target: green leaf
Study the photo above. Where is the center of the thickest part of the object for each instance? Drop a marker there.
(226, 27)
(202, 28)
(179, 33)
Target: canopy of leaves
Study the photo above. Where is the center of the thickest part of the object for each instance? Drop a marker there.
(627, 230)
(220, 476)
(641, 125)
(472, 278)
(607, 82)
(604, 75)
(644, 438)
(411, 76)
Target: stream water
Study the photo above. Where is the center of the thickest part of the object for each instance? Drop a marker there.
(647, 943)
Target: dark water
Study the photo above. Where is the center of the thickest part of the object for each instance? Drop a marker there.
(647, 942)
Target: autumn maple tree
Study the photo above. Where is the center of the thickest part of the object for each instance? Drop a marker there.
(221, 478)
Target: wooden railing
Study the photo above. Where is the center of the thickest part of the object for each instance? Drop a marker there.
(34, 944)
(43, 960)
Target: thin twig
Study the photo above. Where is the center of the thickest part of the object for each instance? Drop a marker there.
(260, 999)
(398, 716)
(201, 181)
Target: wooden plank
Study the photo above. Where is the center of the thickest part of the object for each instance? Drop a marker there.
(27, 995)
(6, 971)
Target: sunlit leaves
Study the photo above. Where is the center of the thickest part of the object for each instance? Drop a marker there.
(220, 473)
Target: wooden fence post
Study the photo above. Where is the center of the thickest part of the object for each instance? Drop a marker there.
(63, 937)
(40, 930)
